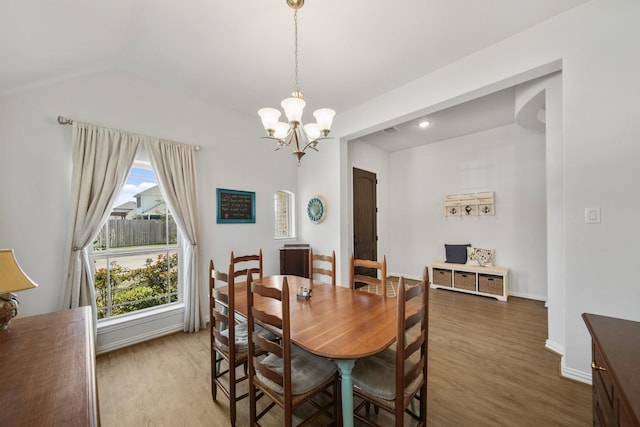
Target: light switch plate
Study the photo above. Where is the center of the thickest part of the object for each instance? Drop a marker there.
(592, 215)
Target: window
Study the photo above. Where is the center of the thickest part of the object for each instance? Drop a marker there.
(135, 253)
(284, 215)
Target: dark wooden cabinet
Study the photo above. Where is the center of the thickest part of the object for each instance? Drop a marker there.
(615, 370)
(294, 259)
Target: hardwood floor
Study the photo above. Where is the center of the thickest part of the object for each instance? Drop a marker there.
(487, 367)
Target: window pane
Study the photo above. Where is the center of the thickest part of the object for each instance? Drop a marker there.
(172, 231)
(103, 300)
(135, 253)
(283, 214)
(135, 282)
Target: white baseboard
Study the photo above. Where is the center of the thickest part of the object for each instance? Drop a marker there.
(554, 347)
(527, 296)
(575, 374)
(406, 276)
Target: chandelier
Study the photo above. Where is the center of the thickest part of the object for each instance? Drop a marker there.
(294, 134)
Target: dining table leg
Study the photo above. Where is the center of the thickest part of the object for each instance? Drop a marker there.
(346, 365)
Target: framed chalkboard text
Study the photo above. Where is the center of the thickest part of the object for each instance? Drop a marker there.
(236, 206)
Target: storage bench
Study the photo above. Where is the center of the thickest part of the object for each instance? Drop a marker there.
(488, 281)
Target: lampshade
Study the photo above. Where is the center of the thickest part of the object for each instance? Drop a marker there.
(324, 118)
(281, 130)
(312, 130)
(269, 117)
(12, 278)
(293, 108)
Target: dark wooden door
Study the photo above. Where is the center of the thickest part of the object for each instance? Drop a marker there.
(365, 210)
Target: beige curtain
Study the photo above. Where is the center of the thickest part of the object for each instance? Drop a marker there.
(175, 167)
(102, 159)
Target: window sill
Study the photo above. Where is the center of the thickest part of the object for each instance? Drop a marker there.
(139, 318)
(134, 328)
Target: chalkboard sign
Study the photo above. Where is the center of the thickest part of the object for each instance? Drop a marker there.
(236, 206)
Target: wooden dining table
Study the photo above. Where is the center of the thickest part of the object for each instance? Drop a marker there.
(339, 323)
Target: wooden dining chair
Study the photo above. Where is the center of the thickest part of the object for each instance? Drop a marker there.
(288, 376)
(324, 265)
(245, 264)
(228, 343)
(373, 377)
(373, 274)
(229, 339)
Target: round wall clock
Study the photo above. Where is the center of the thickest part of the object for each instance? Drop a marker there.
(315, 209)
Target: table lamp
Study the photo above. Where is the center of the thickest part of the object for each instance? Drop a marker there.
(12, 279)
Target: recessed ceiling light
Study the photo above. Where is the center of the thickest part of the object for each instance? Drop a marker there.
(423, 124)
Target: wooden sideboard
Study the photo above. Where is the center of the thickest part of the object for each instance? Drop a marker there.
(615, 370)
(48, 366)
(294, 260)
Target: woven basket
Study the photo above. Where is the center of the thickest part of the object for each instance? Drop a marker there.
(490, 284)
(441, 277)
(464, 280)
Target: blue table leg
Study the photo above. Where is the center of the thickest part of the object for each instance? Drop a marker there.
(346, 366)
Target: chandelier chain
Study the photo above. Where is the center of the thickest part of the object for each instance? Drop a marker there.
(296, 87)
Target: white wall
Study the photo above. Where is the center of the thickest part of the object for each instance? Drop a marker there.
(597, 46)
(509, 161)
(35, 165)
(323, 237)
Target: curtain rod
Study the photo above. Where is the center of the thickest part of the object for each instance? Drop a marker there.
(67, 121)
(64, 121)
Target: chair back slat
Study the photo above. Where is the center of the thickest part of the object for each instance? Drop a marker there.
(265, 344)
(323, 265)
(414, 319)
(266, 318)
(271, 374)
(221, 297)
(414, 372)
(223, 339)
(414, 346)
(219, 275)
(242, 266)
(357, 278)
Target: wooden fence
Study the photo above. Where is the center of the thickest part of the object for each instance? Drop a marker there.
(137, 232)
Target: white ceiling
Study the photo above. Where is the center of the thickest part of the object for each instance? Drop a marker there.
(240, 53)
(488, 112)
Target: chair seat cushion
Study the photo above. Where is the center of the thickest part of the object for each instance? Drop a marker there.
(308, 371)
(242, 337)
(376, 375)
